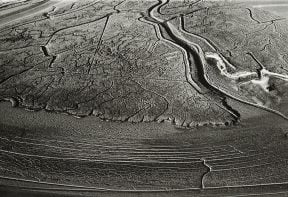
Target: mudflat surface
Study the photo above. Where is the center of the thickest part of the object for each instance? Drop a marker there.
(143, 98)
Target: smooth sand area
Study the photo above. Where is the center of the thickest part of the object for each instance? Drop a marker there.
(279, 8)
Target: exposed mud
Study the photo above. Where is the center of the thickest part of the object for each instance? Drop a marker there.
(119, 97)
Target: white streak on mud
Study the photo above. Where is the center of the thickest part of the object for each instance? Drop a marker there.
(223, 69)
(179, 34)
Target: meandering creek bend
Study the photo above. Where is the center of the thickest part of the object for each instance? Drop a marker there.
(193, 54)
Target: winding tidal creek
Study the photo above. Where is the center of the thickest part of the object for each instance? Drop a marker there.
(195, 55)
